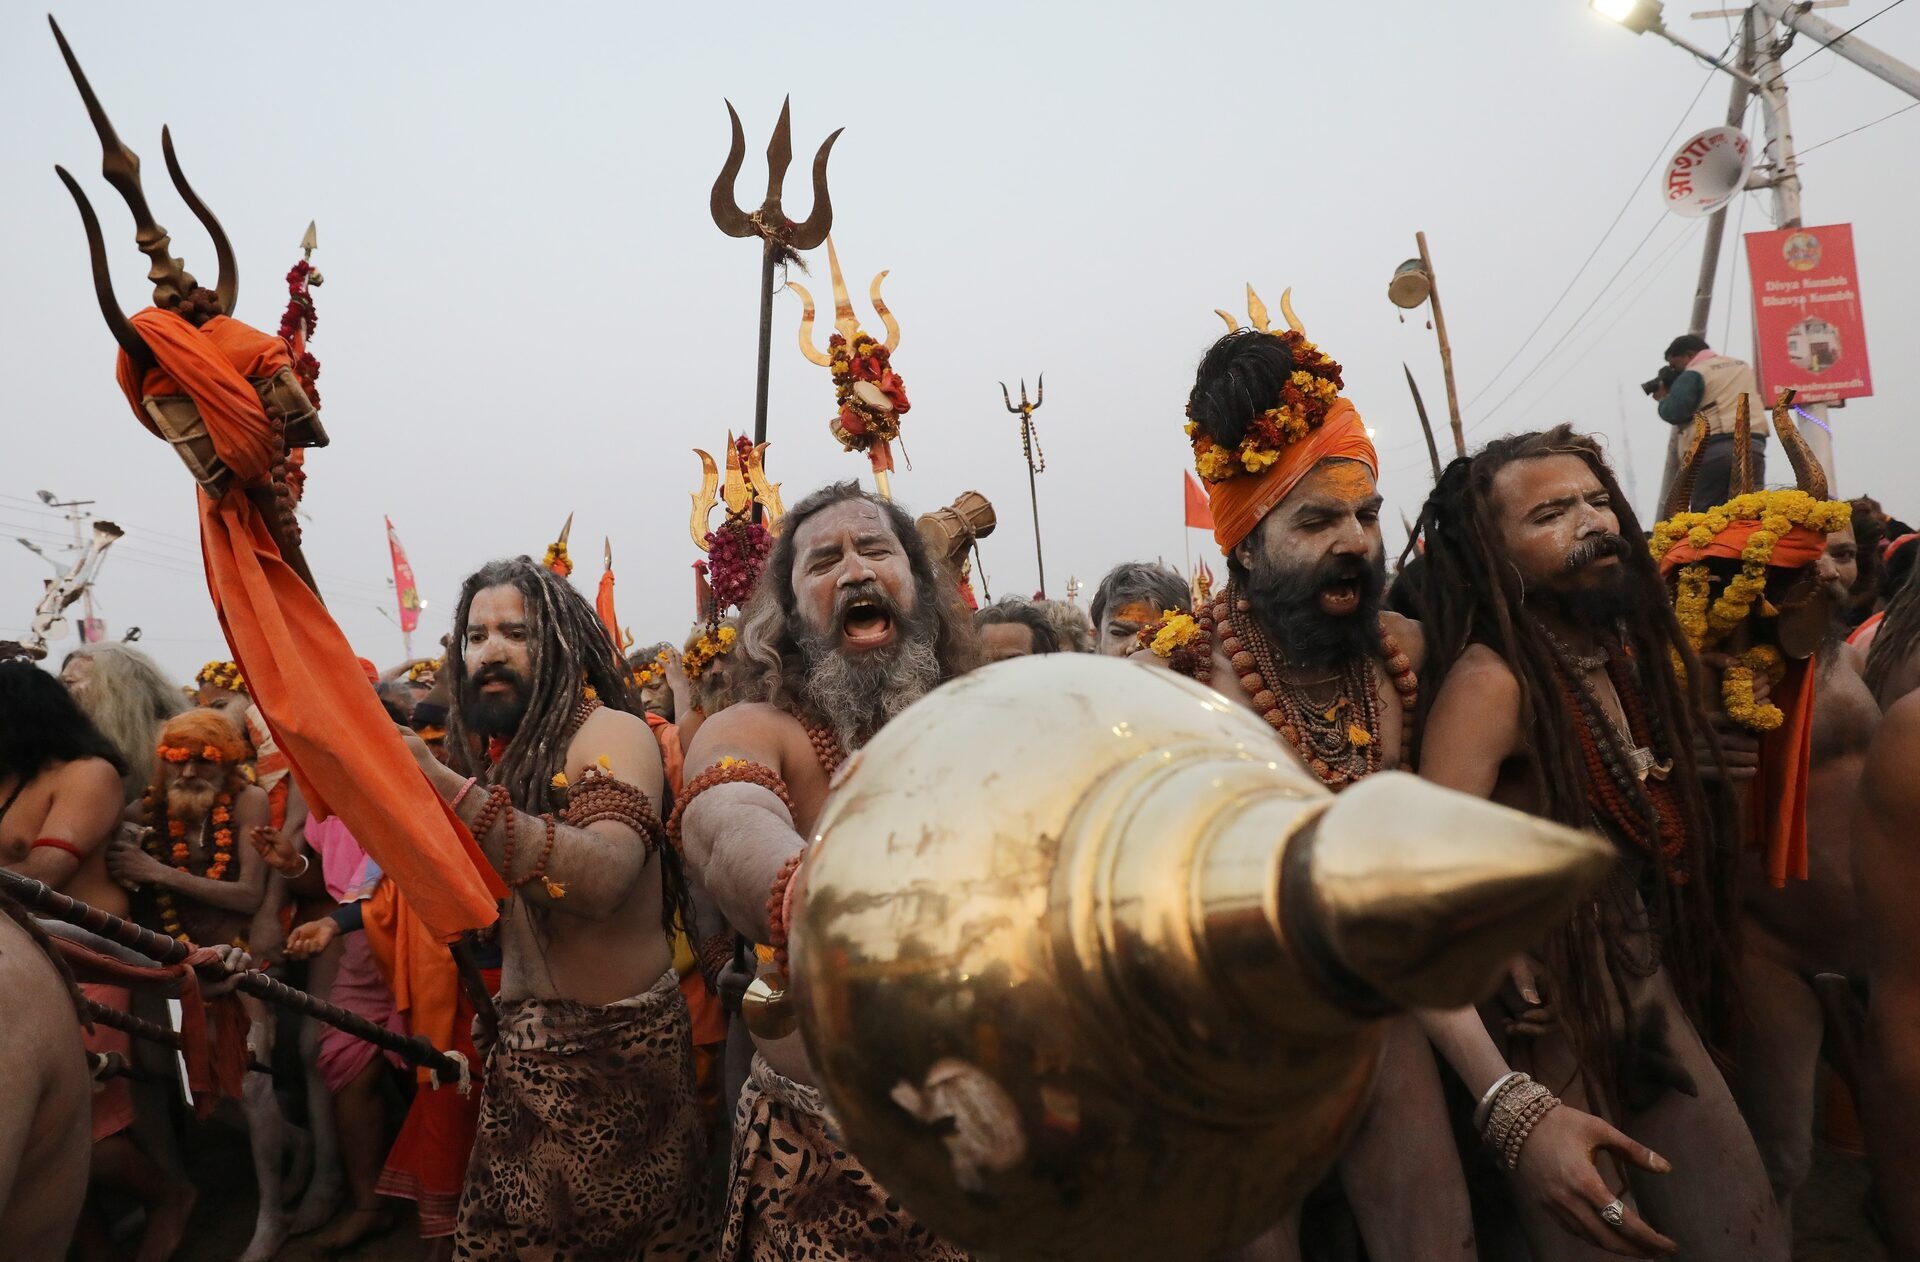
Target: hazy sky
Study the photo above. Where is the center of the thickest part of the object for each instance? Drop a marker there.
(529, 312)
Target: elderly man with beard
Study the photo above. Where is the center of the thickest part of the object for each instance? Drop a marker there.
(851, 624)
(1555, 650)
(1299, 637)
(196, 878)
(589, 1143)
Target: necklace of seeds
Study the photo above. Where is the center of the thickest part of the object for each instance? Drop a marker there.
(1324, 736)
(826, 746)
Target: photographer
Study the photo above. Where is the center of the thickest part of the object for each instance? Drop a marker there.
(1699, 381)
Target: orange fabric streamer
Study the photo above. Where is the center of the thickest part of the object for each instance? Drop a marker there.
(1239, 503)
(417, 968)
(671, 756)
(603, 605)
(1778, 793)
(342, 749)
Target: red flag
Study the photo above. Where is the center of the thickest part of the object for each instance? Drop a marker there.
(1199, 516)
(403, 584)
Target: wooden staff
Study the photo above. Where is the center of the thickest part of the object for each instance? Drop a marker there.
(168, 950)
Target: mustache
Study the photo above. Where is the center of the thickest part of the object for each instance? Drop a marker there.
(865, 594)
(497, 674)
(1598, 547)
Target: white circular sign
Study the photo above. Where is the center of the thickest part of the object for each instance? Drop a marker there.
(1707, 171)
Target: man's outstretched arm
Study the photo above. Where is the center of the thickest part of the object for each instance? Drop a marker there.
(738, 835)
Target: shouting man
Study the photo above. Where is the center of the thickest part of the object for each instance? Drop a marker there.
(1299, 638)
(590, 1141)
(1555, 650)
(852, 623)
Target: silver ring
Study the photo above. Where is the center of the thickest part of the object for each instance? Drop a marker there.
(1615, 1213)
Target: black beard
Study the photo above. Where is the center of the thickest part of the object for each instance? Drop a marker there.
(1286, 603)
(492, 715)
(856, 693)
(1596, 608)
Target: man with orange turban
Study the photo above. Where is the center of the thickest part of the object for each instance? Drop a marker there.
(1300, 638)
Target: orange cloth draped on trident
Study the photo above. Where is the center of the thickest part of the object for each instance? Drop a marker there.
(1239, 503)
(1778, 793)
(343, 749)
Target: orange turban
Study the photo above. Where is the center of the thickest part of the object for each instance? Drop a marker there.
(1779, 790)
(1239, 503)
(197, 729)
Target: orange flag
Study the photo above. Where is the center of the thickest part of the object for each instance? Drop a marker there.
(1199, 516)
(603, 603)
(341, 746)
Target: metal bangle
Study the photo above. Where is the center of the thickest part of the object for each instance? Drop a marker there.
(1485, 1106)
(304, 865)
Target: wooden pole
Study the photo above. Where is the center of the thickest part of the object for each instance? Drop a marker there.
(1446, 349)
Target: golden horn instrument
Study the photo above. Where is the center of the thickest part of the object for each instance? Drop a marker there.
(1088, 967)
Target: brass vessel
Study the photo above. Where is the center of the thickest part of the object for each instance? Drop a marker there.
(1087, 966)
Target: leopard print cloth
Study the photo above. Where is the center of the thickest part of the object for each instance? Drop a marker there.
(590, 1144)
(797, 1195)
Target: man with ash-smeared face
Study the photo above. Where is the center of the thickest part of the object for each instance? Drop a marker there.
(1300, 638)
(852, 623)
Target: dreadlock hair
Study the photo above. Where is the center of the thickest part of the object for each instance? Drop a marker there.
(1894, 643)
(1473, 595)
(769, 627)
(128, 698)
(569, 650)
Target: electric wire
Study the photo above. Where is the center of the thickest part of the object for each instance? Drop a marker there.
(1830, 43)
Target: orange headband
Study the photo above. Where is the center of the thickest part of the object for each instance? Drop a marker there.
(1239, 503)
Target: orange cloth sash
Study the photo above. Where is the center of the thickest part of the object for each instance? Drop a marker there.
(671, 757)
(339, 744)
(1239, 503)
(1778, 793)
(416, 967)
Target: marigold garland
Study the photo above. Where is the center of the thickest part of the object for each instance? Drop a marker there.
(654, 671)
(1178, 638)
(710, 646)
(179, 854)
(1737, 685)
(557, 559)
(1305, 399)
(860, 424)
(426, 671)
(222, 675)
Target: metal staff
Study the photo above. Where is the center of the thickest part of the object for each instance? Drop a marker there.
(1036, 459)
(167, 950)
(780, 237)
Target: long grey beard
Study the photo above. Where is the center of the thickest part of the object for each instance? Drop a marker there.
(858, 695)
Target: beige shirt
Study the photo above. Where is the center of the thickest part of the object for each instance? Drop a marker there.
(1726, 379)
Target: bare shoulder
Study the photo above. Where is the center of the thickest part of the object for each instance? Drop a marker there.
(624, 740)
(752, 730)
(1891, 788)
(89, 775)
(1481, 670)
(1407, 634)
(606, 724)
(252, 801)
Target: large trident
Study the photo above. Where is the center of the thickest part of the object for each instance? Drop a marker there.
(1036, 459)
(781, 238)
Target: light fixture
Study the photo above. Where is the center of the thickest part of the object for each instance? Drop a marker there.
(1638, 16)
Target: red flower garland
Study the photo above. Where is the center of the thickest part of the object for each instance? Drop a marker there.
(179, 855)
(297, 324)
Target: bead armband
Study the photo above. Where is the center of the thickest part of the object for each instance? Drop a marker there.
(1509, 1112)
(726, 771)
(598, 796)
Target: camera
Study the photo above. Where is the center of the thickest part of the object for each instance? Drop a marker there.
(1662, 380)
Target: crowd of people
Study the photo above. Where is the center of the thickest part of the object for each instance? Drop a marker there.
(1647, 1082)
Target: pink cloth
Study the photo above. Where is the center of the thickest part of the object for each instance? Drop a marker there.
(358, 988)
(345, 868)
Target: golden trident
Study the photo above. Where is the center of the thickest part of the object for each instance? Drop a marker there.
(847, 325)
(746, 482)
(1257, 313)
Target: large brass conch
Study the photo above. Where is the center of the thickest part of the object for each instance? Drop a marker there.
(1088, 967)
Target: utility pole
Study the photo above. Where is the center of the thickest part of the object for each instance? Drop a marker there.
(80, 521)
(1717, 224)
(73, 582)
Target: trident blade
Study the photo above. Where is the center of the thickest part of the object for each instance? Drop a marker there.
(1426, 426)
(123, 331)
(811, 231)
(227, 288)
(726, 212)
(121, 167)
(309, 241)
(779, 158)
(843, 318)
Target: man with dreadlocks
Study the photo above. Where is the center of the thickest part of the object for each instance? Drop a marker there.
(589, 1141)
(1893, 651)
(1553, 651)
(1299, 638)
(852, 623)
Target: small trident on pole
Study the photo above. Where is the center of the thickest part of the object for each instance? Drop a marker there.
(780, 237)
(1036, 459)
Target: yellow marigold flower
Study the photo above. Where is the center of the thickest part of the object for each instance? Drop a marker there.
(604, 763)
(1177, 630)
(559, 780)
(729, 760)
(1257, 459)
